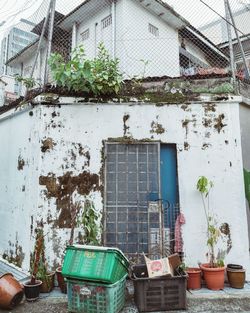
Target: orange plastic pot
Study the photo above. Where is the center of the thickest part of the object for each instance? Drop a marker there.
(11, 291)
(214, 276)
(194, 278)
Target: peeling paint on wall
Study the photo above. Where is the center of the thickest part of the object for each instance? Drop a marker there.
(125, 126)
(206, 145)
(20, 163)
(47, 144)
(219, 124)
(63, 187)
(14, 254)
(157, 128)
(209, 107)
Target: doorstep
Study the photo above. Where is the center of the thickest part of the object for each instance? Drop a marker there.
(203, 300)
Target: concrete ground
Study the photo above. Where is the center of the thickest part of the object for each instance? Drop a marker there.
(204, 300)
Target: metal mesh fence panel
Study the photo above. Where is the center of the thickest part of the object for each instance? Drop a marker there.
(151, 38)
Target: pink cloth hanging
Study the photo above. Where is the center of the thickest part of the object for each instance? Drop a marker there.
(178, 233)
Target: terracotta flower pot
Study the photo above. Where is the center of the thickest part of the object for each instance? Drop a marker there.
(194, 278)
(32, 291)
(60, 279)
(48, 283)
(236, 277)
(11, 291)
(213, 276)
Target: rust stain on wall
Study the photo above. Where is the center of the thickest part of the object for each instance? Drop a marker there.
(205, 146)
(47, 144)
(157, 128)
(209, 107)
(20, 163)
(62, 188)
(15, 254)
(186, 146)
(125, 126)
(219, 122)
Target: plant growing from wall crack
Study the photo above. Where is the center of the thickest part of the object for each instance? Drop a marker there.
(88, 221)
(98, 76)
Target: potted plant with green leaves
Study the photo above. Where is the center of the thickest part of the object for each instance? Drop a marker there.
(214, 270)
(32, 287)
(41, 279)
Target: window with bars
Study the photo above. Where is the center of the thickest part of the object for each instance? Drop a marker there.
(153, 30)
(85, 35)
(106, 22)
(136, 177)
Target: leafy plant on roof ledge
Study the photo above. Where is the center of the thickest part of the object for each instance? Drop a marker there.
(99, 76)
(28, 82)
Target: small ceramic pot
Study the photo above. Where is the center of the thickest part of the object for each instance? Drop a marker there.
(194, 278)
(236, 277)
(32, 291)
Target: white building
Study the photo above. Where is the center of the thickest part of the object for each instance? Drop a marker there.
(148, 37)
(68, 151)
(14, 41)
(216, 31)
(139, 33)
(25, 58)
(2, 91)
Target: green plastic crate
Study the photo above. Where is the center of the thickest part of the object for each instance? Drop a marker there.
(91, 297)
(92, 263)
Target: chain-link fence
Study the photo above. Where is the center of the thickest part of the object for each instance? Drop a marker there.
(150, 38)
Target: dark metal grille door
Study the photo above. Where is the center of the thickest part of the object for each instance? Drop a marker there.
(132, 175)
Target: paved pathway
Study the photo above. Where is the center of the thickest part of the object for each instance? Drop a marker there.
(204, 300)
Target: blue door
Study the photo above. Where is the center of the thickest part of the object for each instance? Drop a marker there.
(169, 184)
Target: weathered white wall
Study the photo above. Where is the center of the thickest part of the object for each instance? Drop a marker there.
(68, 133)
(2, 92)
(245, 131)
(19, 159)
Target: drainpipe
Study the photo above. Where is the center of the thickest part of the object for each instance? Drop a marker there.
(74, 41)
(113, 10)
(229, 33)
(96, 25)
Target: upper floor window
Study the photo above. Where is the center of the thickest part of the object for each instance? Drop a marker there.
(85, 35)
(107, 21)
(153, 30)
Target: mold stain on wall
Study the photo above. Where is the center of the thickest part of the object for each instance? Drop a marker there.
(20, 163)
(62, 188)
(157, 128)
(47, 145)
(14, 254)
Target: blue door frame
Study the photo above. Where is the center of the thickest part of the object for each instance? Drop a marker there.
(169, 184)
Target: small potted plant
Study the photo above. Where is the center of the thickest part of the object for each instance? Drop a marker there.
(32, 287)
(213, 271)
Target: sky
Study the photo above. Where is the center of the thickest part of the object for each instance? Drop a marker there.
(193, 10)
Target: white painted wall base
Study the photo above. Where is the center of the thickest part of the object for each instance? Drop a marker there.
(52, 140)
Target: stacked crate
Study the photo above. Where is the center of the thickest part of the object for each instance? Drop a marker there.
(96, 278)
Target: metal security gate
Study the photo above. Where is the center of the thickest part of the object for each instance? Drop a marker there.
(132, 179)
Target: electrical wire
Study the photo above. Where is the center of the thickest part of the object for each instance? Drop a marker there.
(235, 28)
